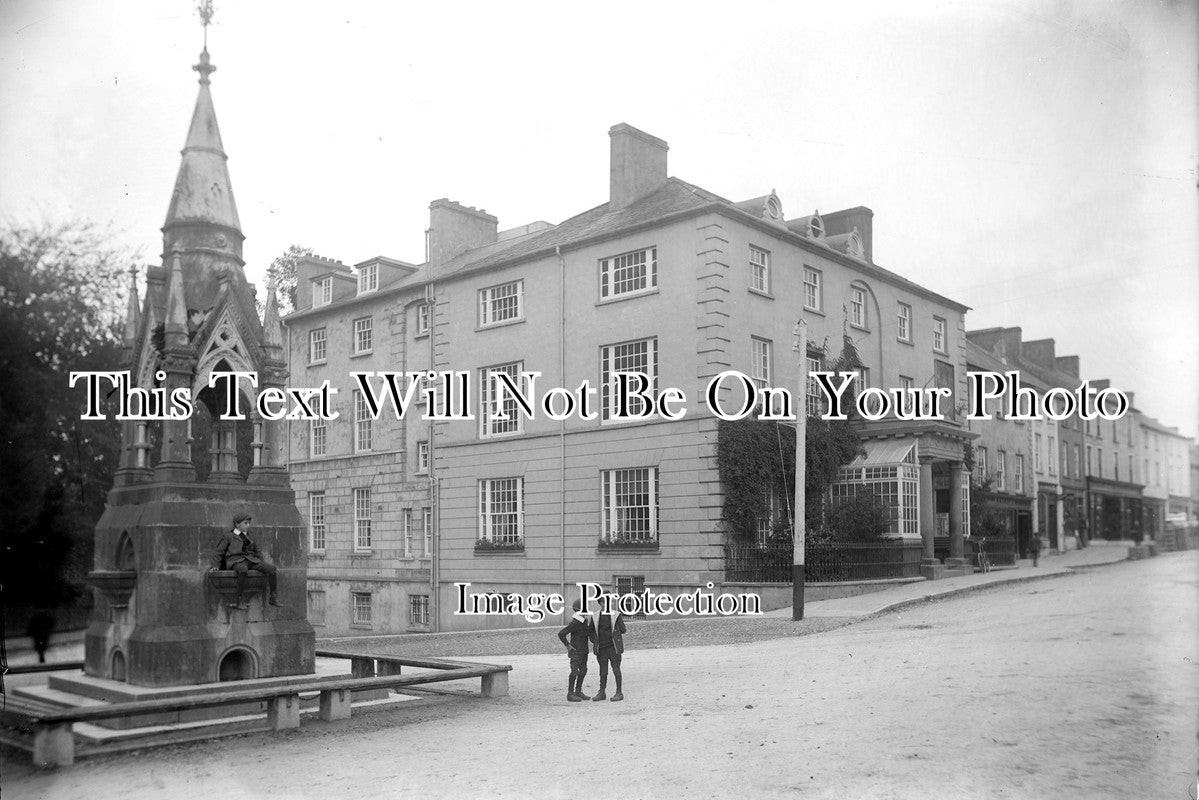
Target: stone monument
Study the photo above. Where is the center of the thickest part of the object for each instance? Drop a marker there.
(161, 617)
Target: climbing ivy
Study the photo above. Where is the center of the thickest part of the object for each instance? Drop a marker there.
(756, 455)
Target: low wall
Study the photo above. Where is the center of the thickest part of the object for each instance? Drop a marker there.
(776, 595)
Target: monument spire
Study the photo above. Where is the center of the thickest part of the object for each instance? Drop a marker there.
(203, 192)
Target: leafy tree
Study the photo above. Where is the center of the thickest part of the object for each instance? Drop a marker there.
(985, 521)
(62, 300)
(283, 270)
(862, 517)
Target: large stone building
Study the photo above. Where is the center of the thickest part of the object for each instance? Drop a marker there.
(361, 482)
(665, 279)
(1056, 447)
(1164, 457)
(1003, 460)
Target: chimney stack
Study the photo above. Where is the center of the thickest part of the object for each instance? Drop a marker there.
(638, 165)
(1040, 352)
(455, 228)
(1068, 365)
(859, 218)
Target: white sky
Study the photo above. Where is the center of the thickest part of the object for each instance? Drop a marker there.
(1033, 160)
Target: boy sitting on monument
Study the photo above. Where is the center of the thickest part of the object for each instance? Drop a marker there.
(237, 552)
(578, 629)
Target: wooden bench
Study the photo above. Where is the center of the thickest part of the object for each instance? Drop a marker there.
(53, 734)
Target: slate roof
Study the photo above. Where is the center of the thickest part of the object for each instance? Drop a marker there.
(674, 198)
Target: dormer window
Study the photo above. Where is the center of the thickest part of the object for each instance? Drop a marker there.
(322, 291)
(774, 209)
(368, 278)
(815, 226)
(854, 246)
(768, 206)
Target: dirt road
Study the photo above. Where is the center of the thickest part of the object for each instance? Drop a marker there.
(1080, 686)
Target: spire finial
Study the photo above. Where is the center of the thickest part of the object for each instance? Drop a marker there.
(132, 317)
(205, 68)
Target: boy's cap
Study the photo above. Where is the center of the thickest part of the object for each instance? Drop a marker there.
(240, 518)
(576, 605)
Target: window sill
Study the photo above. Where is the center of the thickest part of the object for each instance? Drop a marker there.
(761, 293)
(360, 626)
(320, 363)
(363, 354)
(488, 436)
(629, 420)
(500, 550)
(414, 628)
(361, 554)
(424, 335)
(316, 553)
(626, 296)
(818, 312)
(627, 548)
(908, 342)
(501, 324)
(857, 327)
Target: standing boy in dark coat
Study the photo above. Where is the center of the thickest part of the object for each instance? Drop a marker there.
(576, 647)
(607, 631)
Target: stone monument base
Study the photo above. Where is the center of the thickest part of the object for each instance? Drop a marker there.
(163, 618)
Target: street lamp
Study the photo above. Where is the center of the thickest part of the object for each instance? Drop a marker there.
(801, 435)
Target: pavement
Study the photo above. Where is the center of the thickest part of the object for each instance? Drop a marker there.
(1050, 565)
(68, 646)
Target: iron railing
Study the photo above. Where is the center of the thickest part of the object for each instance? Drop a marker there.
(824, 562)
(1001, 552)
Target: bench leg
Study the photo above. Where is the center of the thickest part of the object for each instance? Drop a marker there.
(54, 745)
(283, 712)
(362, 667)
(389, 667)
(495, 684)
(335, 704)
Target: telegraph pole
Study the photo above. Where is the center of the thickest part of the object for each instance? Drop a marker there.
(801, 439)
